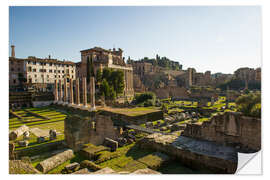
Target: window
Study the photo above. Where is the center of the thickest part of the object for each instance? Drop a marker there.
(34, 63)
(54, 76)
(44, 70)
(44, 64)
(11, 62)
(29, 69)
(63, 71)
(59, 76)
(72, 71)
(14, 81)
(29, 62)
(34, 70)
(67, 65)
(50, 64)
(42, 75)
(40, 70)
(12, 69)
(35, 75)
(48, 76)
(63, 76)
(58, 71)
(50, 71)
(54, 71)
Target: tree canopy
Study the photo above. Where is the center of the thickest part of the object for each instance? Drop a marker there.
(250, 104)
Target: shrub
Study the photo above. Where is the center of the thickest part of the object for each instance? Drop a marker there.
(249, 104)
(147, 98)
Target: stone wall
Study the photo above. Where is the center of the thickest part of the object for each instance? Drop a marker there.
(93, 129)
(175, 92)
(229, 128)
(122, 120)
(196, 154)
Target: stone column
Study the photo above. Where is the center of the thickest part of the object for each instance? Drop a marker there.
(92, 93)
(71, 92)
(78, 91)
(55, 91)
(84, 91)
(60, 91)
(65, 91)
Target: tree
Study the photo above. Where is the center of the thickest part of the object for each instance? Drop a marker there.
(99, 76)
(117, 81)
(249, 104)
(105, 88)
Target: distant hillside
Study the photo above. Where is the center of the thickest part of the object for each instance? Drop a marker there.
(163, 62)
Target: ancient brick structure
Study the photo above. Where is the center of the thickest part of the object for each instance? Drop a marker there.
(99, 58)
(93, 129)
(175, 92)
(230, 128)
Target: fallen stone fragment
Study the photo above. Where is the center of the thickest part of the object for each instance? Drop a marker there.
(55, 161)
(105, 170)
(18, 132)
(82, 171)
(145, 171)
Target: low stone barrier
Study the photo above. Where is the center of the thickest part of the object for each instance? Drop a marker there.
(193, 153)
(36, 114)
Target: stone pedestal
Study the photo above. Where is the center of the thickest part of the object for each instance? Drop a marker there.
(55, 91)
(92, 93)
(84, 92)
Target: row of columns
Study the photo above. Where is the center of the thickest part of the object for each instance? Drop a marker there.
(63, 98)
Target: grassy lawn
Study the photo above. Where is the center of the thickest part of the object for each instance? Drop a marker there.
(56, 122)
(131, 111)
(126, 158)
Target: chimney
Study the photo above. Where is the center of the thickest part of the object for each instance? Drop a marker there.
(13, 51)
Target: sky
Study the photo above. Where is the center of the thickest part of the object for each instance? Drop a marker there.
(215, 38)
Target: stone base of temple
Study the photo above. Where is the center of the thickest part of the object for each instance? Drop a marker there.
(84, 107)
(71, 105)
(65, 103)
(93, 108)
(60, 102)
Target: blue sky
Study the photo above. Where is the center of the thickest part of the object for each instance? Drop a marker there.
(220, 39)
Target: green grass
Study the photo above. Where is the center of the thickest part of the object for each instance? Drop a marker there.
(124, 161)
(56, 122)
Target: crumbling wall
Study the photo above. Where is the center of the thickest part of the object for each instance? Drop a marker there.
(230, 128)
(93, 129)
(175, 92)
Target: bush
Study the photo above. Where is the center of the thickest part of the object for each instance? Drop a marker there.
(148, 99)
(90, 165)
(249, 104)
